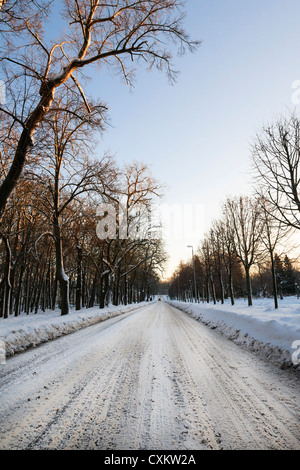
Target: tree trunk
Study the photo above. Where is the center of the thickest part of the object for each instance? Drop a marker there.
(274, 282)
(230, 286)
(213, 290)
(79, 279)
(125, 290)
(221, 287)
(26, 291)
(25, 143)
(249, 285)
(48, 286)
(207, 291)
(101, 293)
(93, 291)
(203, 292)
(1, 298)
(103, 289)
(6, 279)
(54, 293)
(39, 290)
(115, 290)
(130, 293)
(60, 272)
(84, 289)
(18, 296)
(12, 282)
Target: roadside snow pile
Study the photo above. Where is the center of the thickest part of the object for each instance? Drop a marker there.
(25, 331)
(273, 333)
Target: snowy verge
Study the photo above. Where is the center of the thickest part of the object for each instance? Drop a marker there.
(26, 331)
(273, 333)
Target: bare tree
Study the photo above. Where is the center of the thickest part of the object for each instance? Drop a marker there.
(276, 159)
(274, 233)
(247, 228)
(108, 34)
(133, 201)
(226, 234)
(215, 240)
(66, 171)
(206, 253)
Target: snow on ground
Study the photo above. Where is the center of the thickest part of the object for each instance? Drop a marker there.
(20, 333)
(274, 333)
(154, 378)
(261, 328)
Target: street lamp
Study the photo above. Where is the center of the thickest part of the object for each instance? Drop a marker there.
(195, 285)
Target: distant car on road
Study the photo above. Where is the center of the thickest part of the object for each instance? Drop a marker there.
(159, 298)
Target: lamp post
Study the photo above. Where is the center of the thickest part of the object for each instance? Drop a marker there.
(195, 285)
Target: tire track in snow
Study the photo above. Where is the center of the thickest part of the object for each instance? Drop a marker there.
(157, 379)
(248, 415)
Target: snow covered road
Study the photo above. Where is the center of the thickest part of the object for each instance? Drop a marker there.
(152, 378)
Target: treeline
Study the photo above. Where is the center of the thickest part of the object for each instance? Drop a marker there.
(247, 251)
(61, 243)
(214, 283)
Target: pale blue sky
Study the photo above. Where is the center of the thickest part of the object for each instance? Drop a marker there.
(196, 135)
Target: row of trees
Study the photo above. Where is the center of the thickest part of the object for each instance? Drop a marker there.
(252, 237)
(51, 179)
(242, 254)
(51, 251)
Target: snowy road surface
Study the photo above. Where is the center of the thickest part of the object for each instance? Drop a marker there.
(153, 378)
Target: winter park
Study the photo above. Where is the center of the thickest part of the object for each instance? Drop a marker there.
(149, 227)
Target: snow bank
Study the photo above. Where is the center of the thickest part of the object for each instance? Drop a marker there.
(20, 333)
(273, 333)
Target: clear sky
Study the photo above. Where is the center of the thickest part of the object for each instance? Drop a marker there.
(196, 134)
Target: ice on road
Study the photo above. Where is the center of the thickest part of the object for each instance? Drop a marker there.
(154, 378)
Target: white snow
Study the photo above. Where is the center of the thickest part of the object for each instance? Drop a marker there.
(153, 378)
(262, 328)
(25, 331)
(275, 333)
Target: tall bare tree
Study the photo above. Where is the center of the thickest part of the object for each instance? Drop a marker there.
(226, 234)
(216, 242)
(247, 228)
(133, 201)
(276, 159)
(35, 65)
(274, 234)
(67, 171)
